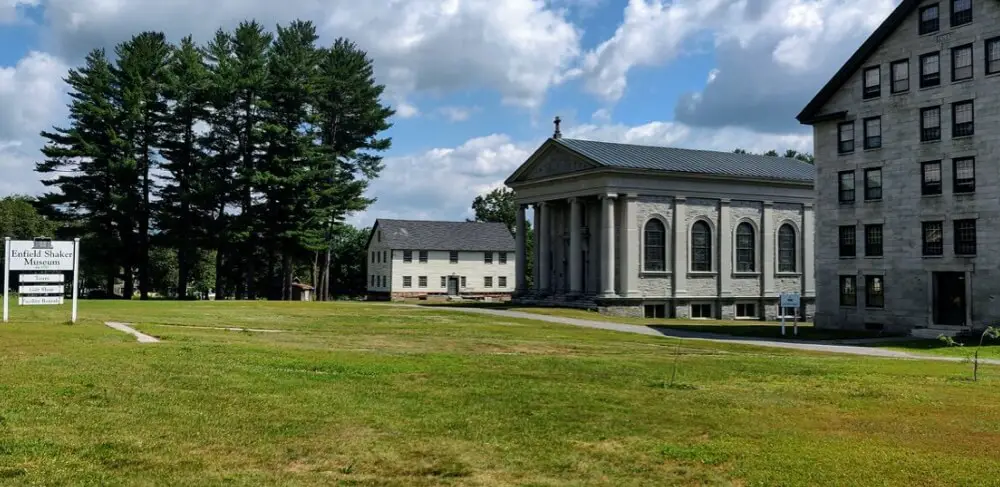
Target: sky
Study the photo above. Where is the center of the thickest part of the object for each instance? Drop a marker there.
(476, 83)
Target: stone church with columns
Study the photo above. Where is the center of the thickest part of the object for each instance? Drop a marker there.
(660, 232)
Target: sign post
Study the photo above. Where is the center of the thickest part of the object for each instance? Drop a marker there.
(30, 257)
(789, 300)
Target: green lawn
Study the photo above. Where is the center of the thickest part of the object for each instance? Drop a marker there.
(355, 394)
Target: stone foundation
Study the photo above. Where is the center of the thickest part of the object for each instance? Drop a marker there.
(442, 296)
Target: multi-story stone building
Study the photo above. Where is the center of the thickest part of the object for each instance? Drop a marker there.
(907, 136)
(419, 259)
(662, 232)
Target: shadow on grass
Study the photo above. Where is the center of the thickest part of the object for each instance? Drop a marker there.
(770, 331)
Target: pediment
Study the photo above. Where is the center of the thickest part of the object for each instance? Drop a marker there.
(554, 161)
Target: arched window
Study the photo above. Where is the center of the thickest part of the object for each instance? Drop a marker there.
(786, 249)
(701, 247)
(655, 239)
(746, 248)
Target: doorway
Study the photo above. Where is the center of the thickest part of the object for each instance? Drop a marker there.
(949, 298)
(453, 286)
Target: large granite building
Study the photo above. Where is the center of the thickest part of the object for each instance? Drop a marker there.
(662, 232)
(907, 135)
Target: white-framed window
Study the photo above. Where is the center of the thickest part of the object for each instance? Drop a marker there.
(746, 248)
(487, 257)
(503, 257)
(787, 245)
(444, 281)
(422, 281)
(407, 256)
(654, 246)
(702, 311)
(463, 281)
(502, 281)
(488, 281)
(407, 281)
(423, 256)
(746, 311)
(453, 257)
(701, 247)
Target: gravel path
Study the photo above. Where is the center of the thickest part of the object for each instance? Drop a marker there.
(142, 337)
(810, 346)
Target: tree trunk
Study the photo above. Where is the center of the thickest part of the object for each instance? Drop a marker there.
(220, 290)
(329, 270)
(144, 215)
(313, 272)
(286, 276)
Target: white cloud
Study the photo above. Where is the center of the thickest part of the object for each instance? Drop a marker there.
(601, 115)
(456, 113)
(31, 95)
(519, 48)
(656, 32)
(406, 110)
(8, 9)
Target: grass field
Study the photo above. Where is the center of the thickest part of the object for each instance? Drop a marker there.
(354, 394)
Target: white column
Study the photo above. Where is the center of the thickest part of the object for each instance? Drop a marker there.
(520, 258)
(594, 246)
(681, 231)
(628, 253)
(767, 232)
(543, 243)
(809, 251)
(575, 247)
(608, 245)
(725, 249)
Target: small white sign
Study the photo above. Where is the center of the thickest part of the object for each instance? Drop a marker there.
(29, 255)
(42, 278)
(39, 300)
(789, 300)
(41, 289)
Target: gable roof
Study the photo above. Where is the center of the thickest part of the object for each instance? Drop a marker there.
(810, 113)
(439, 235)
(669, 159)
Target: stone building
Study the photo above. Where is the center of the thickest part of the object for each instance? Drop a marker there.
(660, 232)
(907, 135)
(420, 259)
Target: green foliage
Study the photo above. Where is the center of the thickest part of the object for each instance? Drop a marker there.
(252, 149)
(990, 332)
(20, 220)
(790, 153)
(498, 206)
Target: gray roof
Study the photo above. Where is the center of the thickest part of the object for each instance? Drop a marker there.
(655, 158)
(431, 235)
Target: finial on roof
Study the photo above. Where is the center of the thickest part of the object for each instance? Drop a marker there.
(557, 134)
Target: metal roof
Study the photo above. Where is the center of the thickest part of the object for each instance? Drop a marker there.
(670, 159)
(438, 235)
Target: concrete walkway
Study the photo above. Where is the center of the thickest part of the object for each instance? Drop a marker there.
(142, 337)
(809, 346)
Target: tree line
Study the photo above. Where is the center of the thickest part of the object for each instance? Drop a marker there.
(236, 160)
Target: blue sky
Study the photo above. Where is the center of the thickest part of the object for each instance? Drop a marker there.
(477, 83)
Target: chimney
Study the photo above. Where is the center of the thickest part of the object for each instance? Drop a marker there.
(557, 134)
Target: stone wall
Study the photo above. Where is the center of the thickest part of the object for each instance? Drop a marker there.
(908, 275)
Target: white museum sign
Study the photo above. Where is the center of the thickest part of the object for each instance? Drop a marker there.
(41, 264)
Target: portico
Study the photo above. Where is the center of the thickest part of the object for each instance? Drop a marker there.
(639, 231)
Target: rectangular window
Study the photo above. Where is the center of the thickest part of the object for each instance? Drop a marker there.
(961, 63)
(385, 256)
(423, 256)
(933, 235)
(848, 241)
(873, 82)
(463, 281)
(900, 76)
(873, 240)
(746, 310)
(453, 257)
(930, 124)
(931, 178)
(503, 258)
(502, 282)
(444, 281)
(874, 292)
(848, 291)
(422, 281)
(993, 55)
(873, 133)
(701, 311)
(965, 175)
(846, 186)
(930, 20)
(407, 256)
(930, 70)
(873, 184)
(373, 257)
(373, 280)
(488, 258)
(655, 311)
(407, 281)
(488, 281)
(963, 121)
(845, 137)
(965, 237)
(961, 12)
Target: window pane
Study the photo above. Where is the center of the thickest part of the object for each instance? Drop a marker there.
(745, 248)
(872, 77)
(965, 169)
(847, 180)
(655, 240)
(786, 249)
(847, 132)
(701, 246)
(963, 113)
(932, 172)
(932, 118)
